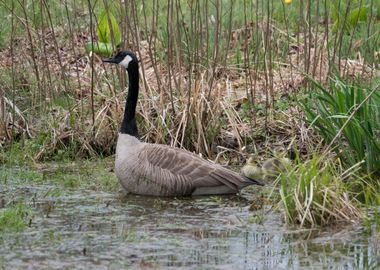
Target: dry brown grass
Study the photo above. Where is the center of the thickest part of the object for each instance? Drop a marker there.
(204, 105)
(208, 120)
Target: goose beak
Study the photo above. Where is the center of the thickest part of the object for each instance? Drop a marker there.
(109, 59)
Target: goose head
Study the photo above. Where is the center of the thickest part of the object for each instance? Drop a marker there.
(127, 59)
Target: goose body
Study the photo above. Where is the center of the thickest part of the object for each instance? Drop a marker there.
(161, 170)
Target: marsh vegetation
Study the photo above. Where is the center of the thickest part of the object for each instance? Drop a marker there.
(228, 80)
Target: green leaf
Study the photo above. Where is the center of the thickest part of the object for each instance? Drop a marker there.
(334, 11)
(356, 15)
(104, 30)
(100, 48)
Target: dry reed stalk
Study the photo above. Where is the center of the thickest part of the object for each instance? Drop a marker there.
(90, 10)
(4, 136)
(32, 48)
(66, 82)
(72, 43)
(188, 82)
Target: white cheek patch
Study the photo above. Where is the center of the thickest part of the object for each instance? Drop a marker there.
(126, 61)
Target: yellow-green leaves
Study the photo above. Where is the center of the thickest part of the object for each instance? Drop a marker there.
(99, 48)
(108, 33)
(104, 28)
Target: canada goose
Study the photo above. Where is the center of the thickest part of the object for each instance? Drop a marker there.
(271, 168)
(160, 170)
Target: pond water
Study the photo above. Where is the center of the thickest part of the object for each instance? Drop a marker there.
(84, 229)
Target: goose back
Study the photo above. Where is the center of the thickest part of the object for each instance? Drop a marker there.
(161, 170)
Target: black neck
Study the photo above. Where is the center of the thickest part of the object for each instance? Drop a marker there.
(128, 126)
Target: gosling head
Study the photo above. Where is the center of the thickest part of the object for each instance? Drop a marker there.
(251, 161)
(251, 170)
(273, 167)
(277, 164)
(127, 59)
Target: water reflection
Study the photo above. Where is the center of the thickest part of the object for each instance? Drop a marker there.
(102, 230)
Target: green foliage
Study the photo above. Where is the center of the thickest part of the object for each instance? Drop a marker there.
(20, 176)
(347, 13)
(14, 218)
(108, 33)
(104, 28)
(88, 174)
(313, 193)
(337, 108)
(99, 48)
(367, 190)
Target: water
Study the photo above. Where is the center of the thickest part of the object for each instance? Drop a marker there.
(84, 229)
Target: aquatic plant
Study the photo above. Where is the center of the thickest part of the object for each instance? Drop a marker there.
(313, 193)
(14, 218)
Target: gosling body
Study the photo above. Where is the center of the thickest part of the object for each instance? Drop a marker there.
(270, 169)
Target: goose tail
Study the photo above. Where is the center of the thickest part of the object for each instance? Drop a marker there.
(251, 181)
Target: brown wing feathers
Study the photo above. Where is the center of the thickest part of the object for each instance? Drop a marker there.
(189, 170)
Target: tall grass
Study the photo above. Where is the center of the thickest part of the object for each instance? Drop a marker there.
(348, 118)
(200, 61)
(313, 193)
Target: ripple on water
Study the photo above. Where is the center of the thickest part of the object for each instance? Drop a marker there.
(98, 230)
